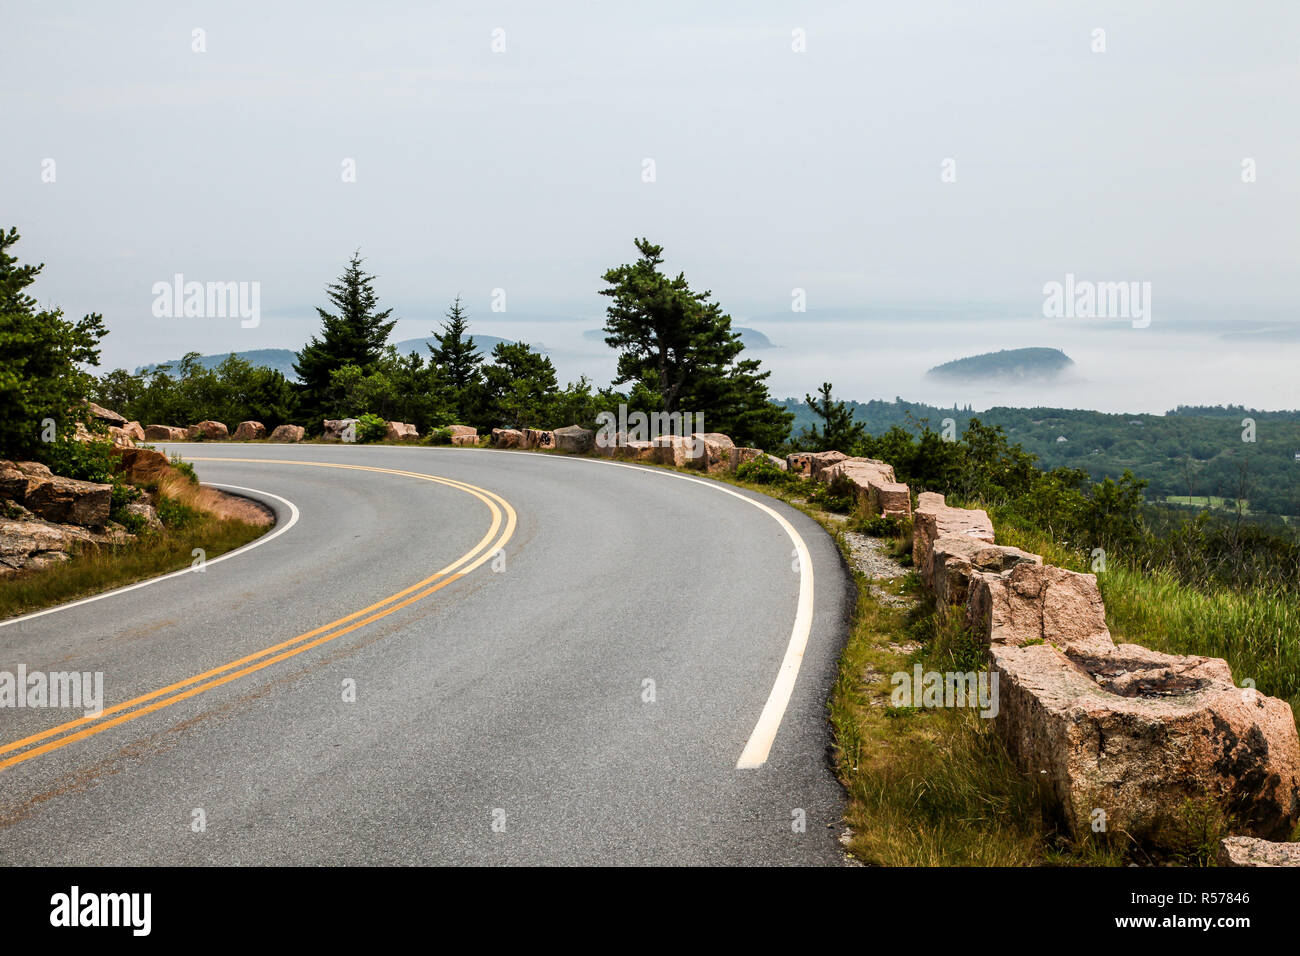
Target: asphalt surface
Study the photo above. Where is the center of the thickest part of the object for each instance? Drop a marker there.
(503, 719)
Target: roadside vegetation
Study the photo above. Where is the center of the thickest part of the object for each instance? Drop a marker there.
(189, 517)
(934, 786)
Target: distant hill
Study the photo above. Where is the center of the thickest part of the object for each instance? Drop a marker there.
(279, 359)
(282, 359)
(1196, 451)
(750, 338)
(484, 343)
(1009, 365)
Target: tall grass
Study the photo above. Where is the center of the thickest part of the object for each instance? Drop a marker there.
(1257, 632)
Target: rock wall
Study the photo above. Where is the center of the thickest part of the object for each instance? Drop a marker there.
(1116, 733)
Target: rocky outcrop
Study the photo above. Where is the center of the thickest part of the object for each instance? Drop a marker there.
(638, 450)
(141, 466)
(538, 438)
(673, 450)
(1140, 735)
(208, 430)
(105, 415)
(250, 431)
(876, 490)
(958, 558)
(339, 429)
(610, 446)
(33, 545)
(460, 431)
(810, 463)
(401, 431)
(1032, 602)
(465, 441)
(287, 433)
(709, 451)
(45, 516)
(574, 439)
(741, 455)
(778, 462)
(507, 438)
(53, 497)
(133, 431)
(120, 437)
(934, 519)
(1250, 851)
(165, 433)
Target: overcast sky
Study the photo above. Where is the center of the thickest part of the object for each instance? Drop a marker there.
(524, 169)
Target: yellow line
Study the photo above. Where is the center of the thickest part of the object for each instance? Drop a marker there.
(495, 504)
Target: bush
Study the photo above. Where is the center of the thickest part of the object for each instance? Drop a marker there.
(173, 514)
(185, 468)
(440, 436)
(84, 461)
(371, 427)
(879, 526)
(761, 471)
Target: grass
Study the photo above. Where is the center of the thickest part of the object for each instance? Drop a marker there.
(935, 786)
(926, 786)
(191, 519)
(1208, 501)
(1256, 632)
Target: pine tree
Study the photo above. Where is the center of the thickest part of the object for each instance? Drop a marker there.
(839, 431)
(354, 334)
(42, 359)
(678, 345)
(458, 364)
(520, 387)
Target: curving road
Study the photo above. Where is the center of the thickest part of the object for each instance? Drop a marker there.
(553, 661)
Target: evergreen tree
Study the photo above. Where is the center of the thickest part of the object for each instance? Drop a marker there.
(520, 388)
(354, 334)
(42, 378)
(458, 364)
(678, 345)
(839, 432)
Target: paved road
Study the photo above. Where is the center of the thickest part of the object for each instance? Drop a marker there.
(499, 717)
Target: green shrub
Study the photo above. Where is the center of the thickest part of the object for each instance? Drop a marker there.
(371, 427)
(762, 471)
(838, 497)
(173, 514)
(879, 526)
(84, 461)
(440, 436)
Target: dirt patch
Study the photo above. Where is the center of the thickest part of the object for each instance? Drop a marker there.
(225, 505)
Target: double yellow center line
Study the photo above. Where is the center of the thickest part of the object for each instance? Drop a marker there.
(501, 530)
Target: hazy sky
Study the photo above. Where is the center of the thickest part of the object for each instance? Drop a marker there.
(523, 169)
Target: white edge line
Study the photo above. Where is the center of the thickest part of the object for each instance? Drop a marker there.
(293, 520)
(759, 745)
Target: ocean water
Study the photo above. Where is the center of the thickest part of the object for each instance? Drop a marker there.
(1185, 357)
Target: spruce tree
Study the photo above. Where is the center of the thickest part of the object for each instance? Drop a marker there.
(839, 431)
(354, 334)
(458, 363)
